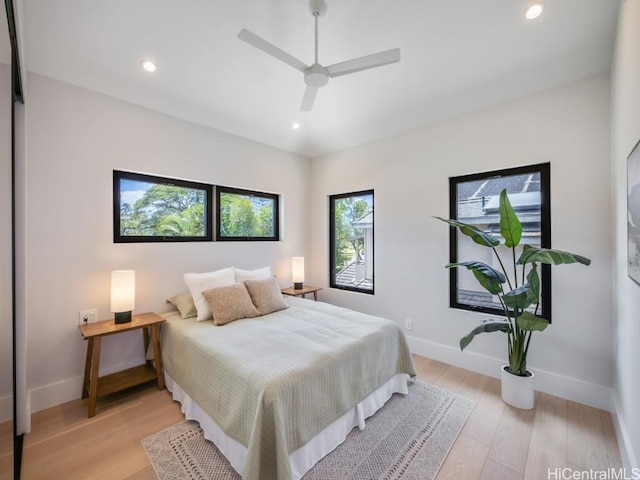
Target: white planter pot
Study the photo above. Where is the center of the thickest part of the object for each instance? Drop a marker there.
(517, 391)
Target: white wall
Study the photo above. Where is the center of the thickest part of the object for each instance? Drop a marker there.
(75, 139)
(6, 338)
(568, 127)
(625, 109)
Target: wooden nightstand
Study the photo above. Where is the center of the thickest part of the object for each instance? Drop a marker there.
(94, 387)
(302, 292)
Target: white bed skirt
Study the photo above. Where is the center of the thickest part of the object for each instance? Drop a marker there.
(306, 456)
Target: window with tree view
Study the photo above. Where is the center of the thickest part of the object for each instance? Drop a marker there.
(246, 215)
(351, 241)
(147, 208)
(474, 200)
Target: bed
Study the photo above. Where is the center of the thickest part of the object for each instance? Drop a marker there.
(278, 392)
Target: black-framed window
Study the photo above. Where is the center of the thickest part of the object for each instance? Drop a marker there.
(351, 241)
(148, 208)
(246, 215)
(474, 199)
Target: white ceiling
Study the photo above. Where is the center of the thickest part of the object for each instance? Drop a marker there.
(457, 56)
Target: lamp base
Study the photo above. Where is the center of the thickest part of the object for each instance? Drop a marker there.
(122, 317)
(297, 286)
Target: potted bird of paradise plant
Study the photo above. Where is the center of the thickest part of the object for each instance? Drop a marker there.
(518, 293)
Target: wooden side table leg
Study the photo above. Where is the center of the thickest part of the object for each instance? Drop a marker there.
(315, 296)
(145, 336)
(93, 383)
(157, 356)
(87, 368)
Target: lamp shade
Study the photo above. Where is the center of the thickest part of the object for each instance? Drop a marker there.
(297, 272)
(123, 291)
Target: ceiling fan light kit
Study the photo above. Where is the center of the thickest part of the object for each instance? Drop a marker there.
(317, 75)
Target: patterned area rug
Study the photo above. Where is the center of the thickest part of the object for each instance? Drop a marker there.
(408, 439)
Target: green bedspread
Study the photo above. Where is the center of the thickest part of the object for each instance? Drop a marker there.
(273, 382)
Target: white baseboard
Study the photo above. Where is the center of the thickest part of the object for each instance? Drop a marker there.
(55, 393)
(6, 408)
(66, 390)
(548, 382)
(630, 458)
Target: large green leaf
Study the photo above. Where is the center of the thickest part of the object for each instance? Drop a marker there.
(510, 226)
(532, 323)
(487, 276)
(487, 326)
(553, 257)
(534, 284)
(519, 298)
(477, 235)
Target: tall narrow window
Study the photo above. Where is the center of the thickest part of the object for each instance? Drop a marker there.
(147, 208)
(474, 199)
(246, 215)
(351, 241)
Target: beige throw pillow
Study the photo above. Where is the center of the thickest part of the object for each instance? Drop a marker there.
(231, 303)
(184, 303)
(266, 295)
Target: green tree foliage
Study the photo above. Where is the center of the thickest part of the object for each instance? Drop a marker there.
(347, 211)
(187, 224)
(165, 210)
(244, 216)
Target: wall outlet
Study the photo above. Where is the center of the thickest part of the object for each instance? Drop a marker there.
(408, 324)
(88, 316)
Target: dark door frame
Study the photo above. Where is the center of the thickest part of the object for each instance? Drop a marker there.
(16, 96)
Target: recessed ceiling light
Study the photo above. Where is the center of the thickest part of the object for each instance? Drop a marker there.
(534, 10)
(148, 65)
(295, 126)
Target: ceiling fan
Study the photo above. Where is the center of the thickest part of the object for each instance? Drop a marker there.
(316, 75)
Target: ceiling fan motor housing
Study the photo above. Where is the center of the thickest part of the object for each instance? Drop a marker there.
(317, 7)
(316, 76)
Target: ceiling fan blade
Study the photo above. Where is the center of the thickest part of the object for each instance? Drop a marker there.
(308, 99)
(364, 63)
(271, 49)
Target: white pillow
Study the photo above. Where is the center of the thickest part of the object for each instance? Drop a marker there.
(199, 282)
(258, 274)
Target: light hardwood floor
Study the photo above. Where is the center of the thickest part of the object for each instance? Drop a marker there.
(497, 442)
